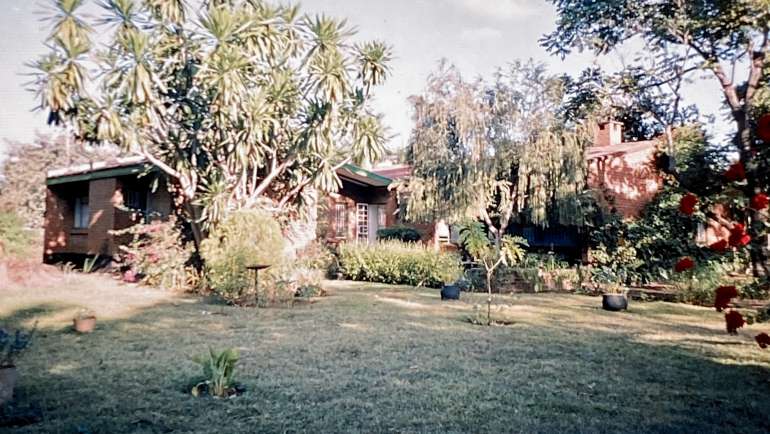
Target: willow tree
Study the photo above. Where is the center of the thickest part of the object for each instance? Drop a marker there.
(237, 101)
(496, 152)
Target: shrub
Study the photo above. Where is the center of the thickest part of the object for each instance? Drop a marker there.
(397, 262)
(218, 373)
(316, 256)
(157, 256)
(400, 233)
(244, 238)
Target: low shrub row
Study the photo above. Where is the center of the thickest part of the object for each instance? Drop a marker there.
(398, 262)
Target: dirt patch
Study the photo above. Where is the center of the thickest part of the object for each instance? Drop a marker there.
(27, 273)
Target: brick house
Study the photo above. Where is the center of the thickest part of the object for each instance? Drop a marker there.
(85, 202)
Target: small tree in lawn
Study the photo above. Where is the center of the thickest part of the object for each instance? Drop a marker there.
(508, 251)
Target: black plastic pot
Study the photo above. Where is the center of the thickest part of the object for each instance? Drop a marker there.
(614, 302)
(450, 292)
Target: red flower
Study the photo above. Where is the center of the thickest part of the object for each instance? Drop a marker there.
(738, 236)
(734, 320)
(736, 172)
(763, 340)
(684, 264)
(763, 128)
(687, 204)
(723, 296)
(720, 246)
(759, 202)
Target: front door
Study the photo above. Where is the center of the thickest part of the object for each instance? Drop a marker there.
(369, 219)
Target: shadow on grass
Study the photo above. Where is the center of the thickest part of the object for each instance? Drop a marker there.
(307, 369)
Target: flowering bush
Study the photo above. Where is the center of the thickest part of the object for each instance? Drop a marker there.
(684, 264)
(736, 172)
(723, 296)
(763, 339)
(156, 256)
(734, 320)
(687, 204)
(759, 202)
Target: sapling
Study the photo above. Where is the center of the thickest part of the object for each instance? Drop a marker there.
(491, 255)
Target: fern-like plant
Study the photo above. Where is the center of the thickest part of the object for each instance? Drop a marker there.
(218, 372)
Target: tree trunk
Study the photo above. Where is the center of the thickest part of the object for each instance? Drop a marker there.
(489, 296)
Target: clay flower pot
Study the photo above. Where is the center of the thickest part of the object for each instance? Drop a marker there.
(85, 324)
(8, 377)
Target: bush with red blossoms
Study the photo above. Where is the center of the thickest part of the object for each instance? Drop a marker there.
(720, 246)
(738, 236)
(687, 204)
(736, 172)
(763, 339)
(759, 202)
(684, 264)
(734, 320)
(723, 296)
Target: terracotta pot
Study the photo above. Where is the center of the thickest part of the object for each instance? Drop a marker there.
(84, 325)
(8, 377)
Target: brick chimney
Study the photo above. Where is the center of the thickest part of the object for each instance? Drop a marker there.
(609, 133)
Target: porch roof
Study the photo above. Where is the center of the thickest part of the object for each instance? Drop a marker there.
(361, 176)
(97, 170)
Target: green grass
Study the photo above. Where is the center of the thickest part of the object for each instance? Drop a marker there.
(375, 358)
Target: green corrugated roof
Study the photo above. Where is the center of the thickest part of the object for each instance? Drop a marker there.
(367, 174)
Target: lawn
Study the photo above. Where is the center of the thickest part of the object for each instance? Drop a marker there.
(376, 358)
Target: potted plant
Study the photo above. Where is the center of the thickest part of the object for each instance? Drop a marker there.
(609, 280)
(85, 321)
(452, 286)
(11, 345)
(614, 298)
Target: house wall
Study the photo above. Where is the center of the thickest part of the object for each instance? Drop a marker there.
(626, 181)
(105, 198)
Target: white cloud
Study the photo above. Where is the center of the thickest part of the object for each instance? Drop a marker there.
(480, 34)
(499, 9)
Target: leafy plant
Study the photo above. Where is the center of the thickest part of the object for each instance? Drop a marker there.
(13, 344)
(157, 255)
(401, 233)
(89, 264)
(218, 372)
(508, 251)
(14, 239)
(244, 238)
(397, 262)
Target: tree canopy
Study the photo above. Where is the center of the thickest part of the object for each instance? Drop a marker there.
(496, 151)
(236, 102)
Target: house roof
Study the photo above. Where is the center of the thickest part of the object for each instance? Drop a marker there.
(137, 164)
(359, 175)
(619, 149)
(98, 170)
(396, 171)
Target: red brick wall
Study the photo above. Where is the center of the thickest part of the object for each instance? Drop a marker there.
(103, 196)
(625, 181)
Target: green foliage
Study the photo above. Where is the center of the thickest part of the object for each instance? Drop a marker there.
(474, 239)
(495, 151)
(397, 262)
(400, 233)
(14, 239)
(218, 372)
(317, 256)
(156, 255)
(645, 249)
(89, 264)
(248, 237)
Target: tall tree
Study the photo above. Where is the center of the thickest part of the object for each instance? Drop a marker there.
(496, 151)
(237, 102)
(729, 40)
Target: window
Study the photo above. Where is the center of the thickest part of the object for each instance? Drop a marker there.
(340, 220)
(136, 200)
(362, 221)
(82, 213)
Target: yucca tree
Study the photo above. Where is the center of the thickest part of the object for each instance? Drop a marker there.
(238, 102)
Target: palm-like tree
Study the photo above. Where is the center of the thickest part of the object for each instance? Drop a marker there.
(244, 99)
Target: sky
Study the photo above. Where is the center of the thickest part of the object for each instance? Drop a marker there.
(477, 36)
